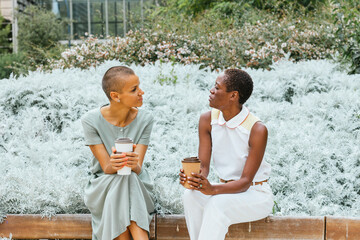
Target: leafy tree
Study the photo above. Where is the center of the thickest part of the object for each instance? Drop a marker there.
(4, 36)
(39, 31)
(194, 7)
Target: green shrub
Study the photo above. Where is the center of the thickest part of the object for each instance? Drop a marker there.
(353, 54)
(39, 32)
(253, 45)
(347, 18)
(287, 5)
(230, 34)
(195, 7)
(12, 63)
(4, 36)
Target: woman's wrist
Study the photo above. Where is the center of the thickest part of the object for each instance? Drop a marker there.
(204, 171)
(109, 169)
(137, 169)
(215, 189)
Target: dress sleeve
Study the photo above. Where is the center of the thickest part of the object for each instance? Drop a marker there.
(90, 133)
(145, 136)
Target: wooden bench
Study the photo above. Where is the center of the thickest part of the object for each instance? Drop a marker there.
(78, 226)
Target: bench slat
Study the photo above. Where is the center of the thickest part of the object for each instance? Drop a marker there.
(279, 228)
(33, 226)
(338, 228)
(78, 226)
(171, 227)
(174, 227)
(63, 226)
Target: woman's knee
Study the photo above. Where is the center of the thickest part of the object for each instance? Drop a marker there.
(192, 198)
(219, 201)
(188, 196)
(218, 206)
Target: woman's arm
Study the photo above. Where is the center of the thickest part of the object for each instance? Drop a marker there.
(136, 158)
(257, 144)
(204, 146)
(103, 157)
(110, 164)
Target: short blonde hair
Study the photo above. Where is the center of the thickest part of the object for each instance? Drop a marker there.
(110, 81)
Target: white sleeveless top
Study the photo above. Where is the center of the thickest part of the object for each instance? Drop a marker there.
(230, 145)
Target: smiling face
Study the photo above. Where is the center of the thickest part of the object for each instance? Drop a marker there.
(219, 97)
(130, 93)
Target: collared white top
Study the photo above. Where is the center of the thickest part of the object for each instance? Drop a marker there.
(230, 147)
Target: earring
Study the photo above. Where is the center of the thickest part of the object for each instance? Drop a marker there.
(118, 100)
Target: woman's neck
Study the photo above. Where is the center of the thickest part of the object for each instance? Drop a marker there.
(231, 112)
(118, 115)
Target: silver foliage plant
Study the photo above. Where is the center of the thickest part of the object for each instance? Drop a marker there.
(5, 238)
(311, 109)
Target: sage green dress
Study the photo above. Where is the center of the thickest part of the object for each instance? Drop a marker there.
(112, 199)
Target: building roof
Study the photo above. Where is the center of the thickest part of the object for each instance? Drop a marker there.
(6, 9)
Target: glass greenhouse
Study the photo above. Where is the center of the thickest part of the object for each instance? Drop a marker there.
(98, 17)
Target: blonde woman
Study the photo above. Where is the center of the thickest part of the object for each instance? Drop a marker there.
(121, 205)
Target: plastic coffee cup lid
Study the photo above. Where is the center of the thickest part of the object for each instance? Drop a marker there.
(191, 160)
(123, 140)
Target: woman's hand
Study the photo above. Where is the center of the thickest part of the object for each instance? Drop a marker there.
(118, 161)
(200, 183)
(132, 161)
(182, 177)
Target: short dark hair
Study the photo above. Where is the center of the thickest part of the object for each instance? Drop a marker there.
(110, 81)
(240, 81)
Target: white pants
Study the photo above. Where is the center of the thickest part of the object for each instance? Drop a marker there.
(209, 217)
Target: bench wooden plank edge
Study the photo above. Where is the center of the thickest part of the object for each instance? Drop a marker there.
(78, 226)
(280, 228)
(284, 227)
(342, 228)
(34, 226)
(61, 226)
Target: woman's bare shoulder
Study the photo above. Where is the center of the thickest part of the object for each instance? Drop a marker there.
(205, 117)
(259, 132)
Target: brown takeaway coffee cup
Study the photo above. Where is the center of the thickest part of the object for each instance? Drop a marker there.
(190, 165)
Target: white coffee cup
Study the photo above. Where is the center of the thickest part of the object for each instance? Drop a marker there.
(124, 145)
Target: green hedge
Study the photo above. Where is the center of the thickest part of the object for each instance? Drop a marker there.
(4, 36)
(12, 63)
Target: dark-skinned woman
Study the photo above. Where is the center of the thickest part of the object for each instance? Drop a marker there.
(236, 140)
